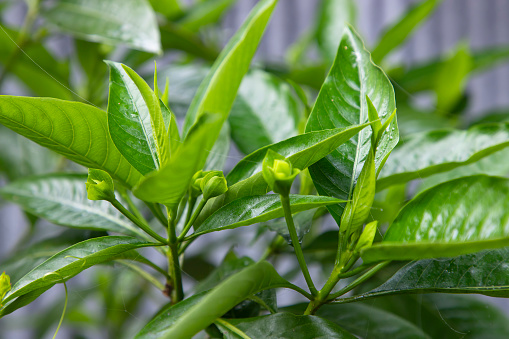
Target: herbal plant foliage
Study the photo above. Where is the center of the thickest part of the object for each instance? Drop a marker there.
(134, 183)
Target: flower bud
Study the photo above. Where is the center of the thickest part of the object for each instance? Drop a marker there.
(5, 285)
(195, 189)
(100, 185)
(213, 184)
(278, 172)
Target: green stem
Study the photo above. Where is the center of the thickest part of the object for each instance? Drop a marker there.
(158, 213)
(232, 328)
(144, 274)
(177, 294)
(22, 39)
(285, 202)
(137, 221)
(132, 206)
(192, 220)
(358, 281)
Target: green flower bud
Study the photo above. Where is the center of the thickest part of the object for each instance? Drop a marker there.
(367, 236)
(278, 172)
(100, 185)
(213, 184)
(5, 285)
(195, 189)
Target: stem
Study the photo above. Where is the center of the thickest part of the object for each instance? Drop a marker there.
(358, 281)
(158, 213)
(177, 294)
(192, 220)
(232, 328)
(144, 274)
(285, 202)
(132, 206)
(137, 222)
(21, 40)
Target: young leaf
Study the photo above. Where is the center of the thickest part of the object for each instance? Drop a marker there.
(479, 273)
(190, 316)
(169, 184)
(447, 220)
(303, 150)
(282, 325)
(218, 90)
(62, 199)
(135, 120)
(68, 263)
(259, 208)
(342, 103)
(75, 130)
(130, 22)
(421, 155)
(400, 31)
(366, 321)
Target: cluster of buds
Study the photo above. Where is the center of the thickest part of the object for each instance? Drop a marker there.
(100, 185)
(278, 172)
(209, 183)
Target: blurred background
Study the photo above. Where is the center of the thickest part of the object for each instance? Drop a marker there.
(462, 43)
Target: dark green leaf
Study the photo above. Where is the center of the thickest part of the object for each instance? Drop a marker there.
(424, 154)
(457, 217)
(68, 263)
(62, 199)
(342, 103)
(259, 208)
(366, 321)
(75, 130)
(218, 90)
(303, 222)
(282, 325)
(399, 32)
(130, 22)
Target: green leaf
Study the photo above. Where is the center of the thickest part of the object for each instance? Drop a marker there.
(333, 17)
(447, 220)
(192, 315)
(303, 222)
(169, 8)
(75, 130)
(218, 90)
(342, 103)
(282, 325)
(421, 155)
(65, 265)
(302, 151)
(62, 199)
(401, 30)
(259, 208)
(219, 153)
(169, 184)
(365, 321)
(204, 13)
(480, 273)
(130, 22)
(266, 111)
(135, 120)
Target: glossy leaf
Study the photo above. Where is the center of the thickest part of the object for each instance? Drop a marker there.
(399, 32)
(62, 199)
(428, 153)
(266, 111)
(480, 273)
(302, 220)
(218, 90)
(282, 325)
(333, 17)
(169, 184)
(366, 321)
(66, 264)
(259, 208)
(303, 150)
(75, 130)
(342, 103)
(192, 315)
(219, 154)
(135, 120)
(447, 220)
(130, 22)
